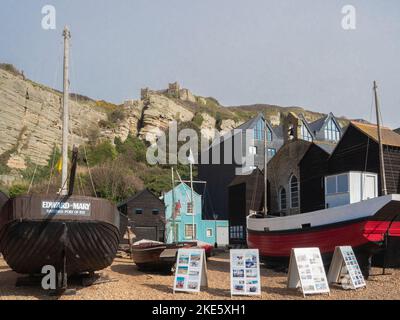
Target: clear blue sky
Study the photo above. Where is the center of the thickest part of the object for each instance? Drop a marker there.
(285, 52)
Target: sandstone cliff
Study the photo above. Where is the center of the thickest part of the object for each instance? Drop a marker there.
(30, 121)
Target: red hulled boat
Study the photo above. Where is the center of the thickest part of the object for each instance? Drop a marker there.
(362, 225)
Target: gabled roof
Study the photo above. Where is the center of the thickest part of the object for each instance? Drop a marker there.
(317, 125)
(389, 137)
(328, 147)
(137, 195)
(185, 186)
(239, 179)
(249, 124)
(306, 124)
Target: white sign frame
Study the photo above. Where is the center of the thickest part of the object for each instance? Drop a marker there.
(239, 261)
(309, 260)
(344, 262)
(184, 261)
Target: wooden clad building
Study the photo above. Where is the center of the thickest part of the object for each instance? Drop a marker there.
(245, 193)
(313, 167)
(358, 150)
(146, 213)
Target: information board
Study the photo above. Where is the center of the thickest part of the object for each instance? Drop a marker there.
(245, 272)
(191, 270)
(306, 270)
(345, 269)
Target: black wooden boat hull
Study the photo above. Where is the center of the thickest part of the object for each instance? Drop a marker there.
(89, 246)
(30, 240)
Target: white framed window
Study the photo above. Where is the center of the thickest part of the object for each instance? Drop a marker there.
(337, 184)
(305, 134)
(189, 208)
(294, 192)
(189, 231)
(331, 131)
(253, 150)
(209, 233)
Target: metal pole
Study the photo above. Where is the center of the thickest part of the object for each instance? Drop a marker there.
(173, 212)
(381, 159)
(265, 168)
(64, 174)
(191, 200)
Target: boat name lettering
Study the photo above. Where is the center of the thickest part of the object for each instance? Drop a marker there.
(66, 208)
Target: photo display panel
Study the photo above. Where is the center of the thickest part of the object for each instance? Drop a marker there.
(306, 268)
(245, 272)
(345, 269)
(191, 271)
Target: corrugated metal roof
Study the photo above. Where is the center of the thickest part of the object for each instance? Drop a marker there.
(389, 137)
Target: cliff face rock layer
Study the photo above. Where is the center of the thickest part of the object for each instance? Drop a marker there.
(30, 117)
(30, 121)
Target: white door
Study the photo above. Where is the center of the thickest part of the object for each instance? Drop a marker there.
(370, 187)
(222, 236)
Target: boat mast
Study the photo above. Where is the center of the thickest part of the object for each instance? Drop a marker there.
(65, 112)
(173, 208)
(381, 159)
(265, 168)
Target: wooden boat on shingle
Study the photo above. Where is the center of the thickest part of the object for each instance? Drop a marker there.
(74, 234)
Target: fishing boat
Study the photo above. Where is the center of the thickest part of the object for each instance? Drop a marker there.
(156, 256)
(74, 234)
(364, 225)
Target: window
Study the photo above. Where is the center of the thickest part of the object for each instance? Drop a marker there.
(259, 131)
(282, 198)
(337, 184)
(252, 150)
(138, 211)
(294, 192)
(271, 153)
(331, 185)
(189, 231)
(305, 134)
(331, 131)
(343, 183)
(155, 211)
(236, 232)
(209, 233)
(189, 208)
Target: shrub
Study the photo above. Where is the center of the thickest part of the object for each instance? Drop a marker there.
(18, 189)
(116, 116)
(114, 182)
(198, 119)
(100, 153)
(132, 147)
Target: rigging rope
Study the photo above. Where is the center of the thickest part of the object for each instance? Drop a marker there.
(81, 132)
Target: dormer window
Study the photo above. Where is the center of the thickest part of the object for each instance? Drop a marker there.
(259, 131)
(305, 134)
(331, 131)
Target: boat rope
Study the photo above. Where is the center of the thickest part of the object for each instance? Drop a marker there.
(80, 183)
(33, 177)
(253, 196)
(388, 156)
(82, 136)
(179, 177)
